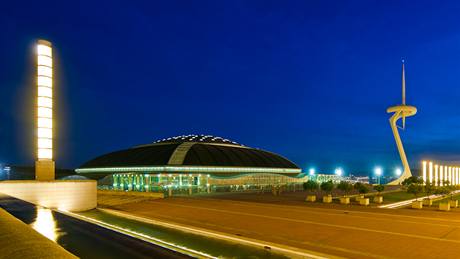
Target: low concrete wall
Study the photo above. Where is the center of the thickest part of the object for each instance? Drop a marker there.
(17, 240)
(72, 195)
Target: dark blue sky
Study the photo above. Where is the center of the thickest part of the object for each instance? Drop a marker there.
(310, 80)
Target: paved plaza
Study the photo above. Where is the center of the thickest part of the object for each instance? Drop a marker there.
(340, 230)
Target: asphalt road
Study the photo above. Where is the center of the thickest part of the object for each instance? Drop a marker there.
(83, 239)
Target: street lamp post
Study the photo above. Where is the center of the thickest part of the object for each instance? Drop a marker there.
(378, 172)
(311, 173)
(339, 172)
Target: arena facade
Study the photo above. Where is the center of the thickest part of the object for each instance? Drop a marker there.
(193, 164)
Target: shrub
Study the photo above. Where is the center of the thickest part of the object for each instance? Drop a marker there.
(345, 187)
(363, 189)
(379, 188)
(445, 190)
(327, 187)
(450, 191)
(429, 188)
(439, 191)
(415, 189)
(357, 185)
(310, 186)
(412, 180)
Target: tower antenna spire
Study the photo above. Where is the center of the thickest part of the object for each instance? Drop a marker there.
(403, 84)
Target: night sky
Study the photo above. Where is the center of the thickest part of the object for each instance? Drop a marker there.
(310, 80)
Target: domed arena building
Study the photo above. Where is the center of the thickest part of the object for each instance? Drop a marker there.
(192, 164)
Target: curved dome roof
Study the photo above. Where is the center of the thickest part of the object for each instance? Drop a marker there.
(191, 150)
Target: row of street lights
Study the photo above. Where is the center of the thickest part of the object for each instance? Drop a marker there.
(338, 171)
(378, 171)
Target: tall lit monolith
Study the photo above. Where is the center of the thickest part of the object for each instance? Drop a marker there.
(44, 164)
(401, 112)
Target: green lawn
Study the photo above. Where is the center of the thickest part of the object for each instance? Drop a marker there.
(397, 196)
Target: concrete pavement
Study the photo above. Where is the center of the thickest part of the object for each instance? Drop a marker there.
(348, 231)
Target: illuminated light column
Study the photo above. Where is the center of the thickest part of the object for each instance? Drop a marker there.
(44, 165)
(453, 176)
(450, 175)
(454, 180)
(456, 175)
(424, 171)
(441, 175)
(436, 178)
(430, 171)
(446, 175)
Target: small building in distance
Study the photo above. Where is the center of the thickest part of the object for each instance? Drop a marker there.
(328, 177)
(192, 164)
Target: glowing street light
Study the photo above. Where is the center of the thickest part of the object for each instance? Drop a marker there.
(398, 172)
(338, 171)
(311, 171)
(378, 171)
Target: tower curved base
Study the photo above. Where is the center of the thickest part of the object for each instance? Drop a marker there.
(403, 177)
(400, 111)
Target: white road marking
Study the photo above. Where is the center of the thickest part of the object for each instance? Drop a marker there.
(381, 216)
(325, 224)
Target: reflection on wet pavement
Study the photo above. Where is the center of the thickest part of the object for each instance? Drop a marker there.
(45, 224)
